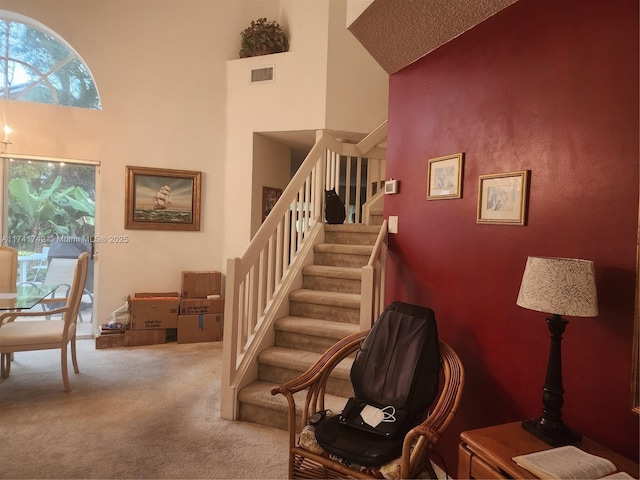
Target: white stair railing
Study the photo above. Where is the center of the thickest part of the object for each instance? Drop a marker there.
(374, 280)
(258, 283)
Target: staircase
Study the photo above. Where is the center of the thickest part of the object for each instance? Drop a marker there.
(324, 310)
(377, 215)
(301, 285)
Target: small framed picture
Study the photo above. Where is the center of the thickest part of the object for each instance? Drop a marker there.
(162, 199)
(444, 177)
(502, 198)
(269, 198)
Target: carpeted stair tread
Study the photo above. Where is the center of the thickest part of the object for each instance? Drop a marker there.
(347, 273)
(259, 393)
(300, 360)
(352, 228)
(343, 248)
(316, 327)
(351, 234)
(332, 299)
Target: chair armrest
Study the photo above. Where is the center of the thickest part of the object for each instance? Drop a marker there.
(54, 300)
(422, 437)
(8, 317)
(11, 316)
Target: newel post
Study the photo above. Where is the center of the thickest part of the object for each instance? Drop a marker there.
(228, 392)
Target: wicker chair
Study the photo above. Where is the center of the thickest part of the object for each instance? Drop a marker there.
(418, 442)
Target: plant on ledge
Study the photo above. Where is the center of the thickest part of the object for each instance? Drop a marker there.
(262, 38)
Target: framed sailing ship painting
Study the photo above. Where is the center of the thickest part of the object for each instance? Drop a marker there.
(162, 199)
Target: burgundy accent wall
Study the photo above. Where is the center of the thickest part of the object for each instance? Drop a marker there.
(550, 87)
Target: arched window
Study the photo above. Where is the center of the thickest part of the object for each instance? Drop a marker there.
(37, 65)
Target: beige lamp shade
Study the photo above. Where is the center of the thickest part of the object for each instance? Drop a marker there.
(562, 286)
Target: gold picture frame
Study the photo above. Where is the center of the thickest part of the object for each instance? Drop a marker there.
(502, 198)
(444, 177)
(162, 199)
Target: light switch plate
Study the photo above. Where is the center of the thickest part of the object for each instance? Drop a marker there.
(393, 224)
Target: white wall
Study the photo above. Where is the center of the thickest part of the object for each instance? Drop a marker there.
(355, 9)
(162, 69)
(294, 101)
(271, 163)
(327, 80)
(357, 86)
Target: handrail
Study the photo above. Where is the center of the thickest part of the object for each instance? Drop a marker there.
(258, 283)
(373, 281)
(381, 241)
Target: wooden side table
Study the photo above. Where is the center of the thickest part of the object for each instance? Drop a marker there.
(486, 452)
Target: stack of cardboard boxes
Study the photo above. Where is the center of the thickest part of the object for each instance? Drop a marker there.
(201, 307)
(195, 315)
(153, 318)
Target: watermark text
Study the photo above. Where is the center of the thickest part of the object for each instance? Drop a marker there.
(48, 239)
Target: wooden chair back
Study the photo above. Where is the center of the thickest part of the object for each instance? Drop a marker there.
(77, 288)
(8, 269)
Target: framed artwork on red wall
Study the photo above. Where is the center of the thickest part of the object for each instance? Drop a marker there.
(502, 198)
(444, 177)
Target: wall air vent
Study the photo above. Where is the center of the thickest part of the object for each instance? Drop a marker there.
(264, 74)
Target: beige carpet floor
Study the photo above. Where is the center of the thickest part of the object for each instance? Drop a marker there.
(137, 412)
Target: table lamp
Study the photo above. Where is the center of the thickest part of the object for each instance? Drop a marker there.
(559, 286)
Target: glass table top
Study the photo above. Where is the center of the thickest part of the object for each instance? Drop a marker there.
(25, 296)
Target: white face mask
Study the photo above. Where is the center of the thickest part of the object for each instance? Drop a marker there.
(372, 416)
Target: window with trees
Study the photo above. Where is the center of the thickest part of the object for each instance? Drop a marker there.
(37, 65)
(49, 200)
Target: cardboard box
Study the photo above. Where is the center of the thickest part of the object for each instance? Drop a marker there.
(201, 284)
(110, 341)
(134, 338)
(196, 306)
(199, 328)
(154, 310)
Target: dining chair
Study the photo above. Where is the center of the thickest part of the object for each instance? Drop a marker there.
(59, 273)
(20, 336)
(8, 269)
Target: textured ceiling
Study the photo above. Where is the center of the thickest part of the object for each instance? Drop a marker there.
(398, 32)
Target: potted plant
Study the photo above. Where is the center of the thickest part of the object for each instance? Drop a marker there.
(262, 38)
